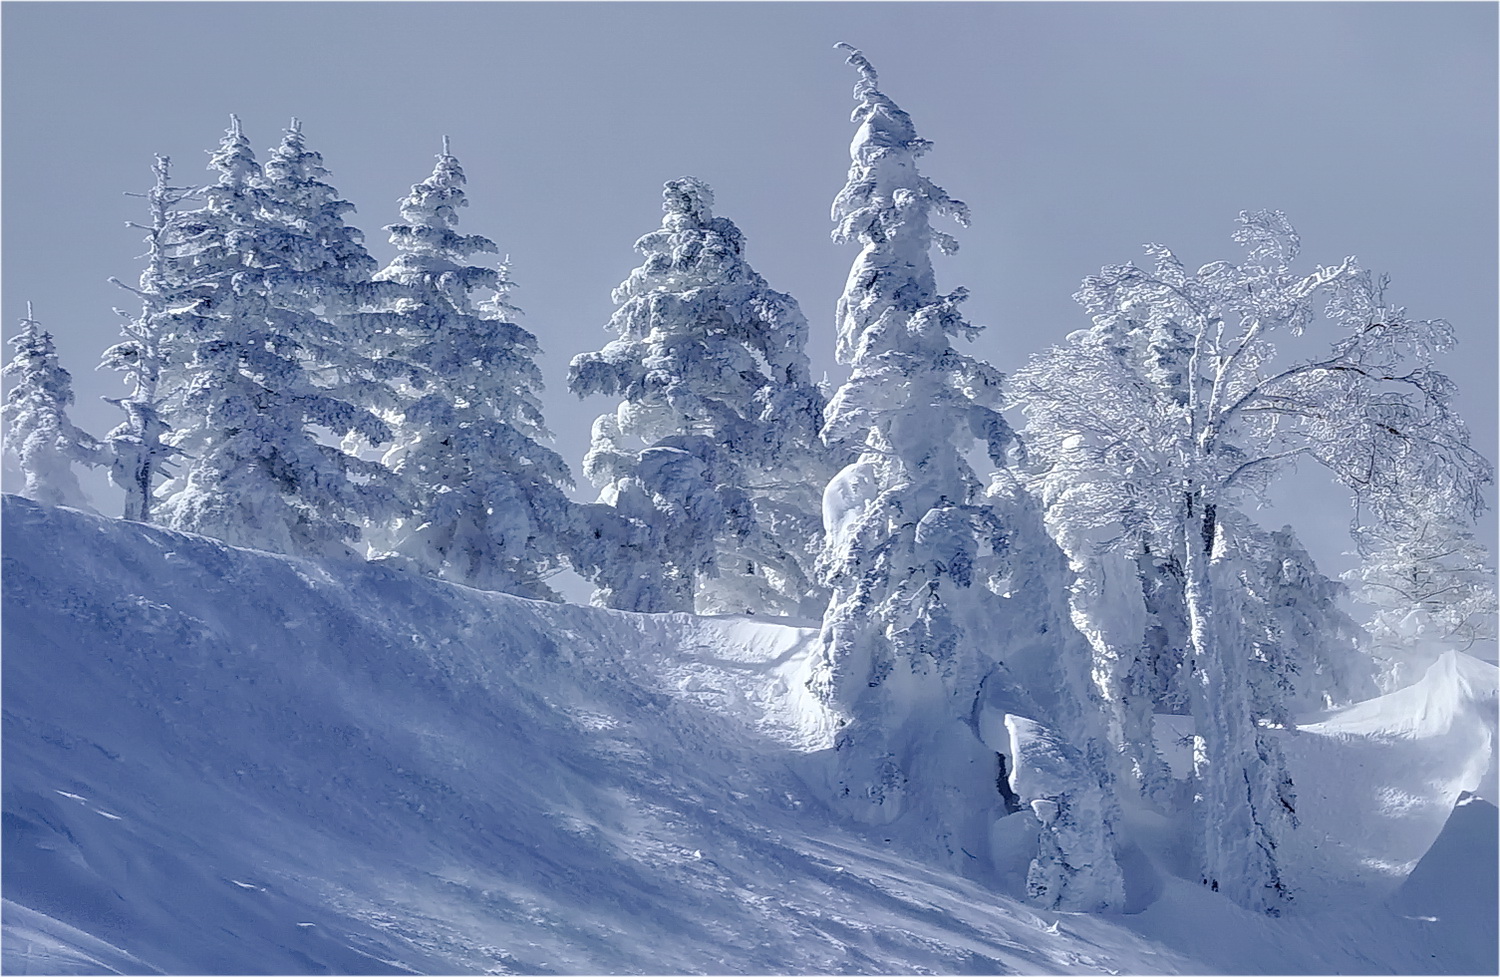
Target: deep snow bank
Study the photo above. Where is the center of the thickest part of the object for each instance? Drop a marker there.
(1377, 781)
(218, 760)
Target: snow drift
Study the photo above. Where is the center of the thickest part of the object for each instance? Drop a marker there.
(220, 760)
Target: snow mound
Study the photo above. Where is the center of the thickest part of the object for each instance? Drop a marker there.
(224, 761)
(1376, 781)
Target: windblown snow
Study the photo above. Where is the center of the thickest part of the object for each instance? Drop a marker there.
(218, 760)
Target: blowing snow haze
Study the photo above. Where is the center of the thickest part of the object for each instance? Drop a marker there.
(989, 652)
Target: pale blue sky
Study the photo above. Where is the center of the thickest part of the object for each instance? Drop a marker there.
(1075, 132)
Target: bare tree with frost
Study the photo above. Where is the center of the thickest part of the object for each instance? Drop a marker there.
(486, 500)
(138, 449)
(1164, 447)
(1429, 584)
(37, 430)
(247, 407)
(713, 451)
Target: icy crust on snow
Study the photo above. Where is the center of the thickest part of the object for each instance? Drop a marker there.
(220, 760)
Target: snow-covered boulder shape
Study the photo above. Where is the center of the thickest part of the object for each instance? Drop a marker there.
(846, 498)
(1072, 870)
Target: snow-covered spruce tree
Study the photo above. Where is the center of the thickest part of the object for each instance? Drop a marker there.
(324, 272)
(247, 407)
(37, 430)
(138, 453)
(713, 453)
(1132, 454)
(916, 554)
(486, 501)
(325, 256)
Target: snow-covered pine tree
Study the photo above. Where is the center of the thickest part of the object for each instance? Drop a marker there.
(251, 415)
(487, 506)
(1133, 454)
(713, 453)
(918, 556)
(37, 430)
(325, 256)
(910, 405)
(137, 449)
(324, 272)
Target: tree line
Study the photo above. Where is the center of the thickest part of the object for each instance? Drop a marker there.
(1022, 626)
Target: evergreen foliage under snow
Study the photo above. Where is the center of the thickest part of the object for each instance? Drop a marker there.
(917, 552)
(485, 500)
(37, 430)
(712, 455)
(249, 411)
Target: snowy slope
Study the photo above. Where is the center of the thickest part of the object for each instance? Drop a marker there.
(218, 760)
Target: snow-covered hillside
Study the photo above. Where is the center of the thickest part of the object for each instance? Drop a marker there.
(220, 760)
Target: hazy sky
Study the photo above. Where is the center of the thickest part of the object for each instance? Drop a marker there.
(1075, 132)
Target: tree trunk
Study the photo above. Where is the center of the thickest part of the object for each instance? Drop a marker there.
(1208, 738)
(141, 504)
(1237, 858)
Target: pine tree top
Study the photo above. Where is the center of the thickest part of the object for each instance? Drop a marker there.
(435, 201)
(234, 159)
(36, 363)
(429, 217)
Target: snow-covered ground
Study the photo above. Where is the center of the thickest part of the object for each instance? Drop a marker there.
(224, 761)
